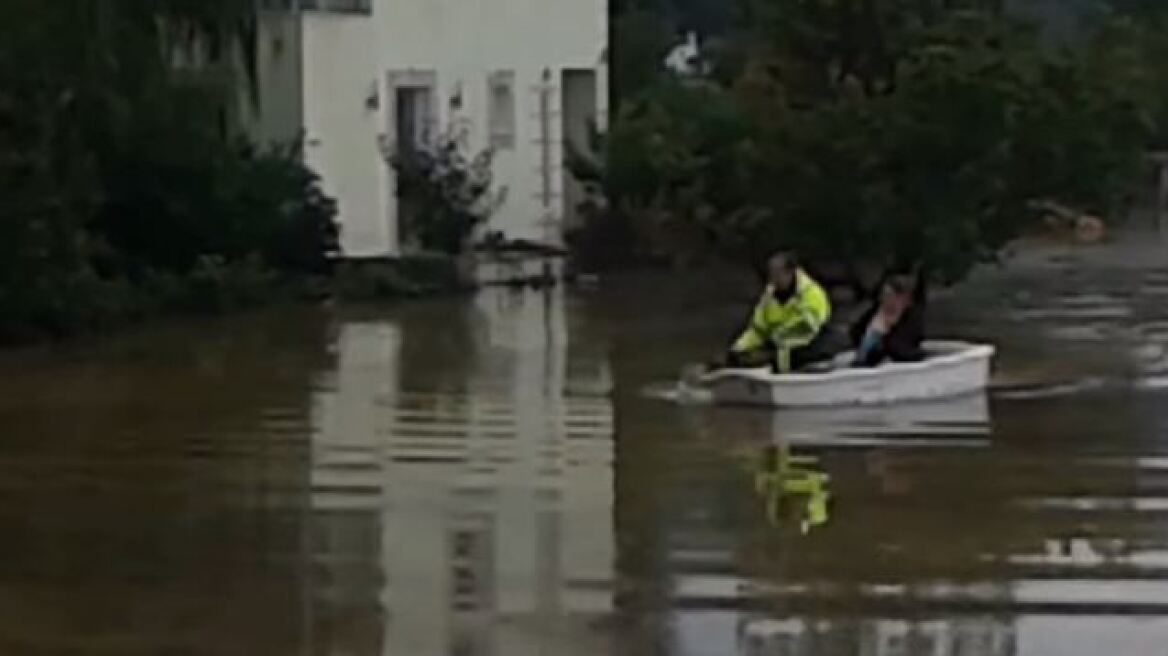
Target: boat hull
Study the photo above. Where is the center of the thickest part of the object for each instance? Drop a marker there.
(952, 369)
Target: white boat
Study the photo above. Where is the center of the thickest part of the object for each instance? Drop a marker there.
(949, 369)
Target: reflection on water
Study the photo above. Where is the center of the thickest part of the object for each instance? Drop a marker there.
(931, 637)
(962, 421)
(486, 477)
(793, 488)
(975, 526)
(475, 518)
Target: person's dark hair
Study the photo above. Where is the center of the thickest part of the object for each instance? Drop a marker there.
(786, 259)
(902, 283)
(911, 282)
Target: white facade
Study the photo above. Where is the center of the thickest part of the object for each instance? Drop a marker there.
(518, 75)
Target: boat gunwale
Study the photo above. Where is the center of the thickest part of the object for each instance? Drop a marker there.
(964, 352)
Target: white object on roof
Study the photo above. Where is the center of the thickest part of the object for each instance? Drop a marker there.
(685, 58)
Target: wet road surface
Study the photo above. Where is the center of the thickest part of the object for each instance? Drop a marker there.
(503, 476)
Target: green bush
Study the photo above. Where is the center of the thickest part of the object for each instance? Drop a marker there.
(232, 202)
(445, 194)
(915, 135)
(409, 277)
(124, 195)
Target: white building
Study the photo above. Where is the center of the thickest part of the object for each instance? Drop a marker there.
(356, 77)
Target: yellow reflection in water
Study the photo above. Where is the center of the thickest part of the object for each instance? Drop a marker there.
(794, 488)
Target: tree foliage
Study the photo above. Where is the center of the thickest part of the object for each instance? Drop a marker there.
(116, 167)
(897, 133)
(1139, 29)
(444, 192)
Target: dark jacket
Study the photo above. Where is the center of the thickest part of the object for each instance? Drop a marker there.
(902, 343)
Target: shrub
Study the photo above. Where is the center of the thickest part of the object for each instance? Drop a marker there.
(445, 193)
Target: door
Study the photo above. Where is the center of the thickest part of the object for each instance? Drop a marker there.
(413, 107)
(579, 115)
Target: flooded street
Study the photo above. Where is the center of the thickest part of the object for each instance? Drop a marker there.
(506, 475)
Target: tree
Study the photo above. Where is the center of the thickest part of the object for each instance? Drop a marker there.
(49, 180)
(899, 134)
(116, 166)
(1140, 28)
(641, 40)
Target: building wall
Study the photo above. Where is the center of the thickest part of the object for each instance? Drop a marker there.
(341, 127)
(276, 117)
(459, 46)
(464, 43)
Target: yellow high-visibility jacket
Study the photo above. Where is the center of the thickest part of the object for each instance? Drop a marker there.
(787, 326)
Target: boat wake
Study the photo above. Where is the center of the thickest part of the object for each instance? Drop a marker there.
(679, 392)
(1039, 391)
(1152, 383)
(1048, 390)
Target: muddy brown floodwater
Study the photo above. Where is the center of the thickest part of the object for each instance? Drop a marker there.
(507, 475)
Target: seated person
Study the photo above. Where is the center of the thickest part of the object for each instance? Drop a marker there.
(786, 328)
(894, 327)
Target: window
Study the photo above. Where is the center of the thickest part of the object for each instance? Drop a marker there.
(501, 110)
